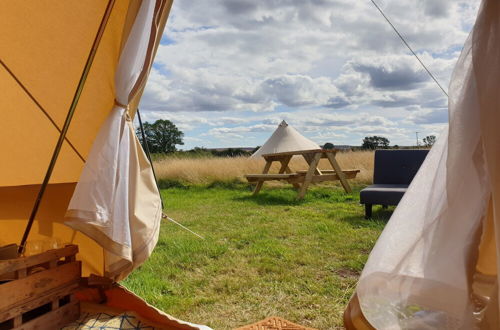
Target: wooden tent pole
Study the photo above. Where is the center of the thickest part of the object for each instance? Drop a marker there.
(148, 153)
(67, 122)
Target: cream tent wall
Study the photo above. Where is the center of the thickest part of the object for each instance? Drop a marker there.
(285, 138)
(436, 264)
(43, 48)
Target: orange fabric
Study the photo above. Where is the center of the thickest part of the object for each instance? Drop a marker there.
(45, 45)
(353, 316)
(487, 258)
(121, 298)
(15, 207)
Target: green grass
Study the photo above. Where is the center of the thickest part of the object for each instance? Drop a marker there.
(261, 256)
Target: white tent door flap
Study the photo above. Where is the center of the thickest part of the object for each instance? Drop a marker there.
(116, 201)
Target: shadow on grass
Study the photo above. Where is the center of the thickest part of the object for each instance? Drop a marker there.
(171, 183)
(230, 185)
(288, 196)
(273, 197)
(380, 216)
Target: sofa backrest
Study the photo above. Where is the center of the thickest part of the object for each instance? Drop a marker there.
(397, 166)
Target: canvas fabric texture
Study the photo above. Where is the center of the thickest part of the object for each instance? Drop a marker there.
(116, 201)
(38, 87)
(44, 47)
(38, 78)
(424, 269)
(285, 138)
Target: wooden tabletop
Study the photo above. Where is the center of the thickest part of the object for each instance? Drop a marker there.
(301, 152)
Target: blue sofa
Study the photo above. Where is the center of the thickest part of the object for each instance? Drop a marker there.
(393, 172)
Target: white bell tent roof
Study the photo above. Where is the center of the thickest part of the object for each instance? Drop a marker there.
(285, 138)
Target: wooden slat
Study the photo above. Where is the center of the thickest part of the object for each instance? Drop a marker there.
(338, 170)
(8, 252)
(20, 291)
(284, 164)
(307, 179)
(10, 265)
(54, 319)
(320, 178)
(286, 169)
(346, 172)
(261, 183)
(300, 152)
(18, 320)
(299, 177)
(24, 307)
(309, 158)
(273, 176)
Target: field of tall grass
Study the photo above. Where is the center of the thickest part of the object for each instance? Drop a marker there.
(207, 170)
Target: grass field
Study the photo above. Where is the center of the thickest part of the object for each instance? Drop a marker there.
(261, 256)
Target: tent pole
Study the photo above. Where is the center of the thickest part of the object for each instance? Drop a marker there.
(148, 154)
(67, 122)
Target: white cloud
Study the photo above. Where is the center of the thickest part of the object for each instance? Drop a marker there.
(227, 66)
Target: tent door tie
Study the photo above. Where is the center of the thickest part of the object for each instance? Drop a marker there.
(124, 107)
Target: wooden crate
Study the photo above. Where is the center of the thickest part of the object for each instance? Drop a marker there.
(41, 294)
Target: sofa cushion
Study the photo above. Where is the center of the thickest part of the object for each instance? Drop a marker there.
(384, 194)
(397, 166)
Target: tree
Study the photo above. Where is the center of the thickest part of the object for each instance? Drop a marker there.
(162, 136)
(429, 140)
(375, 142)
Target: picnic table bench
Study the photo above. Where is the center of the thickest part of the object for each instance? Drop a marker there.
(302, 179)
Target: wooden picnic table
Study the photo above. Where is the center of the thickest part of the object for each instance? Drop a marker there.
(302, 179)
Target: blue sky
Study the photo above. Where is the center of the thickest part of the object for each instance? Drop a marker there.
(228, 71)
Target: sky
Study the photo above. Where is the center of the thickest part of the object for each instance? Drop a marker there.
(227, 72)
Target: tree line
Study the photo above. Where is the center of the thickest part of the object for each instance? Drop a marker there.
(163, 136)
(380, 142)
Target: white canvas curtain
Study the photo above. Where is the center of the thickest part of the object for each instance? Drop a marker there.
(116, 201)
(419, 274)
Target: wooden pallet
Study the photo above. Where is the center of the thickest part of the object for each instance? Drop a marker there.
(40, 292)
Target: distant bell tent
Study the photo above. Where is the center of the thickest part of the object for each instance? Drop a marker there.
(285, 138)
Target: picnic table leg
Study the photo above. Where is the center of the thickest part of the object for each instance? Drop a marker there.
(309, 158)
(310, 172)
(261, 182)
(338, 171)
(284, 168)
(295, 184)
(284, 164)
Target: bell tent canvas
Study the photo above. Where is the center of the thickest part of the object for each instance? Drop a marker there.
(285, 138)
(436, 264)
(71, 77)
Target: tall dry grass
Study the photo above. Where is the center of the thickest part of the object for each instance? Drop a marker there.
(208, 170)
